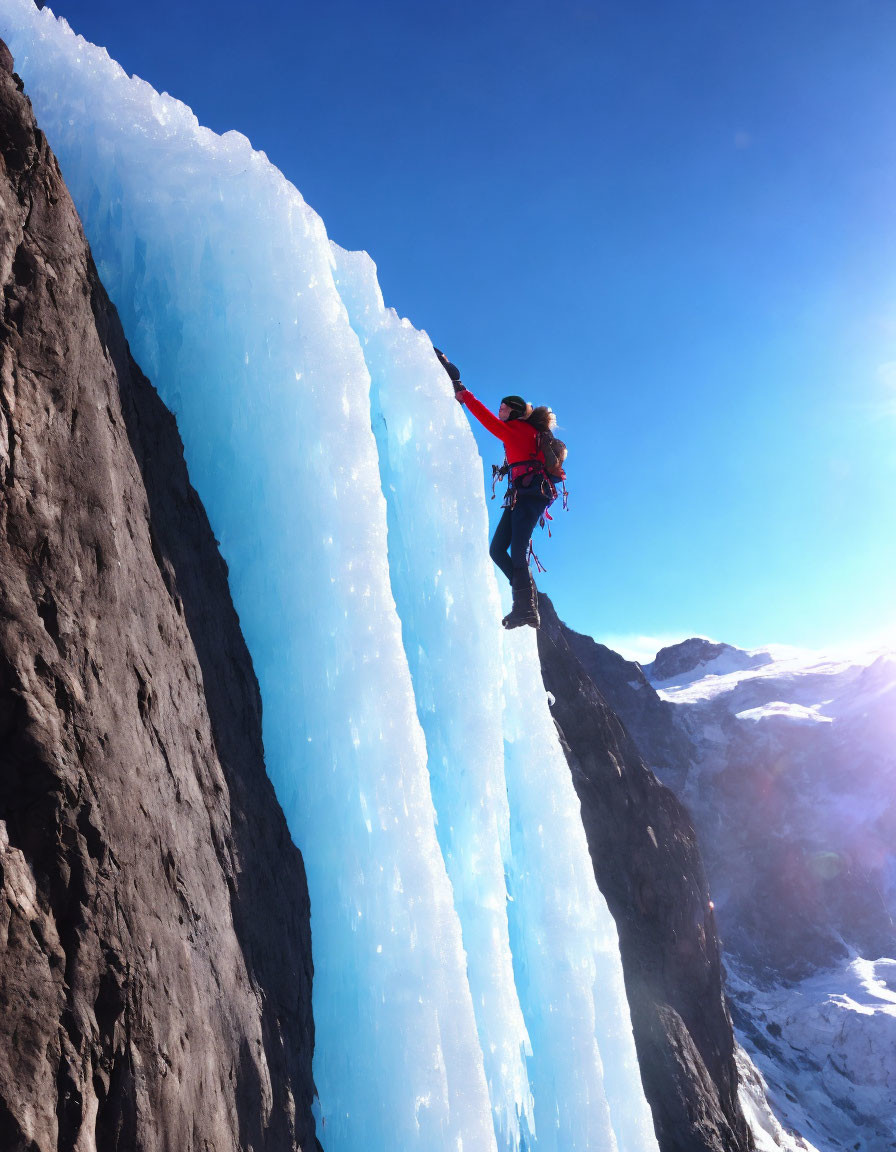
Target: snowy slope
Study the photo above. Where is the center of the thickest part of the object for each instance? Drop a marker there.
(826, 1048)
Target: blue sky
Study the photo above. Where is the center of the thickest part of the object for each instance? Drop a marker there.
(674, 223)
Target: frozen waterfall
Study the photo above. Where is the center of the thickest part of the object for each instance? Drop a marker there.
(468, 989)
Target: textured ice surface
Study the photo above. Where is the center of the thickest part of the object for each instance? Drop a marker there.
(449, 610)
(408, 738)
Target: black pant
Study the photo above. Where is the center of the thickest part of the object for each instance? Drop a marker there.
(510, 543)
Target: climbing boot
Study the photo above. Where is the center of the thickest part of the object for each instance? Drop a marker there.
(525, 604)
(534, 602)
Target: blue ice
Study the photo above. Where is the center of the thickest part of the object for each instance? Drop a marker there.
(468, 990)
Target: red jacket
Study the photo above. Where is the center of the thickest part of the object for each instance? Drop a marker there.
(518, 436)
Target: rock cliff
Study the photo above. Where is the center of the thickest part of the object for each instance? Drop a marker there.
(648, 867)
(155, 960)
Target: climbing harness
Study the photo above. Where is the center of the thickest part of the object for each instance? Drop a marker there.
(534, 467)
(548, 484)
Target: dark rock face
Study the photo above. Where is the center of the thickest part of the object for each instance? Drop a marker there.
(648, 867)
(155, 960)
(625, 687)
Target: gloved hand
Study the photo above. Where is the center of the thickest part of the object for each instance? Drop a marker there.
(460, 393)
(448, 366)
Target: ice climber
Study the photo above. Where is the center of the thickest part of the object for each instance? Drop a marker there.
(532, 486)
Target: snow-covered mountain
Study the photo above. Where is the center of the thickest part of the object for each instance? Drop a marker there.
(793, 756)
(787, 762)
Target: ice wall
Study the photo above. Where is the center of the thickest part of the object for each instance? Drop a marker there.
(468, 990)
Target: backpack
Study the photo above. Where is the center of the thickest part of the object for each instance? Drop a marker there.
(554, 452)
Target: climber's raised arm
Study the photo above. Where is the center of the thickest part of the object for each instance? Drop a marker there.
(494, 424)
